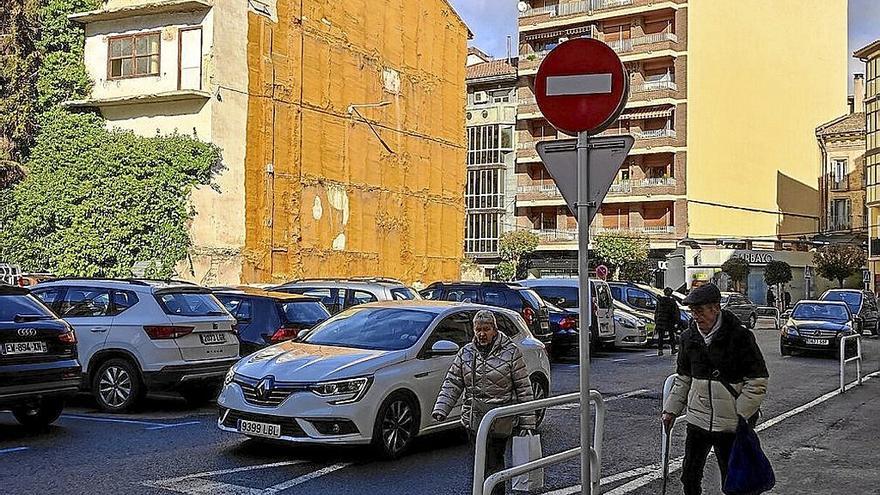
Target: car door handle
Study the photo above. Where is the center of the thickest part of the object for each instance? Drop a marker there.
(99, 329)
(422, 375)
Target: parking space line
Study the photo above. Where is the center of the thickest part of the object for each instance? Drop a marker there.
(150, 425)
(565, 407)
(13, 449)
(306, 477)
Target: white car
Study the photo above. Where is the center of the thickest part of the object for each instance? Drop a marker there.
(370, 374)
(629, 329)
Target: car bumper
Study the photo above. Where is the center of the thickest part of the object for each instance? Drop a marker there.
(565, 339)
(24, 383)
(800, 343)
(171, 377)
(302, 416)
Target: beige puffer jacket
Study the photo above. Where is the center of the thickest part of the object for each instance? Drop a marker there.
(500, 379)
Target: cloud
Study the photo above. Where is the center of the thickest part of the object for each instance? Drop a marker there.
(491, 22)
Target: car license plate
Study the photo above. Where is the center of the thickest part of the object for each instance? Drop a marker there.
(817, 341)
(258, 429)
(213, 338)
(13, 348)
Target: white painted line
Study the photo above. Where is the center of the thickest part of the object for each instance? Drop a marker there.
(302, 479)
(234, 470)
(565, 407)
(13, 449)
(618, 360)
(581, 84)
(149, 424)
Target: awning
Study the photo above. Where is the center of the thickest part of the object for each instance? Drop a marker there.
(558, 34)
(648, 113)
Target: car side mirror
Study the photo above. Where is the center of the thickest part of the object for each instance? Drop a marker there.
(443, 348)
(301, 336)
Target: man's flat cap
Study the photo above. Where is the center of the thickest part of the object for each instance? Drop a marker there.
(705, 294)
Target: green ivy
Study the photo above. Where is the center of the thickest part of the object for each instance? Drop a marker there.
(95, 201)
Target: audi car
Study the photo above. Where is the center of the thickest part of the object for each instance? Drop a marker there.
(816, 326)
(369, 375)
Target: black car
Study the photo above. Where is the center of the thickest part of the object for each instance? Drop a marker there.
(816, 326)
(564, 324)
(521, 299)
(266, 318)
(38, 360)
(862, 304)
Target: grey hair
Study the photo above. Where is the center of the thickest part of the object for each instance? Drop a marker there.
(484, 316)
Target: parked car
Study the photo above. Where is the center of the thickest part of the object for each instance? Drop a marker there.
(564, 293)
(339, 294)
(39, 369)
(526, 302)
(741, 306)
(630, 330)
(368, 375)
(862, 304)
(564, 324)
(266, 318)
(135, 336)
(816, 326)
(641, 300)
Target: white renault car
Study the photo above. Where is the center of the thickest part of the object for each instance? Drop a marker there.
(370, 374)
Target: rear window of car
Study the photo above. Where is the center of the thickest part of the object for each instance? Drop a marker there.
(14, 305)
(532, 298)
(307, 313)
(564, 297)
(190, 304)
(852, 299)
(404, 294)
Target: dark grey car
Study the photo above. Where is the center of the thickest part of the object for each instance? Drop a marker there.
(742, 307)
(862, 304)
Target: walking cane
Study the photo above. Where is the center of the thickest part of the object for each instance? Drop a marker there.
(664, 455)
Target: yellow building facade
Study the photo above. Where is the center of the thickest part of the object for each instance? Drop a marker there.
(341, 127)
(870, 54)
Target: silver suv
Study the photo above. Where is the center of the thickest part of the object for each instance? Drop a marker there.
(140, 335)
(339, 294)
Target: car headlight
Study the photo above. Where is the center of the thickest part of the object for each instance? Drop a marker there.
(344, 391)
(624, 322)
(230, 375)
(792, 331)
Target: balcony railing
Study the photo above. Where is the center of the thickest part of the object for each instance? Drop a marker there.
(572, 8)
(556, 235)
(654, 134)
(622, 187)
(546, 189)
(662, 229)
(658, 182)
(629, 44)
(654, 86)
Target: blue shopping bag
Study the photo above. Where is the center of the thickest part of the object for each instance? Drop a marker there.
(749, 471)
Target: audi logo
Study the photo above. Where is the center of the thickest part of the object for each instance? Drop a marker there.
(27, 332)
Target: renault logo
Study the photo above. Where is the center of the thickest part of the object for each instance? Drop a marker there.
(27, 332)
(264, 388)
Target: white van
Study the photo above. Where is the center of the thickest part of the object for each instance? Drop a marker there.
(563, 292)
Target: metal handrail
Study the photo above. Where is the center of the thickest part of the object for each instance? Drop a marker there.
(483, 485)
(844, 360)
(769, 312)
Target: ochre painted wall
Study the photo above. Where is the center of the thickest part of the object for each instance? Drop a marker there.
(761, 76)
(323, 196)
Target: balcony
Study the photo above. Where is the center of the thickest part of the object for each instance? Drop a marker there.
(572, 8)
(631, 187)
(546, 189)
(556, 236)
(525, 150)
(654, 134)
(633, 44)
(649, 86)
(161, 7)
(643, 230)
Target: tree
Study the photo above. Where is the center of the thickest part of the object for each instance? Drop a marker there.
(738, 270)
(19, 64)
(839, 261)
(512, 247)
(95, 201)
(506, 271)
(777, 272)
(625, 253)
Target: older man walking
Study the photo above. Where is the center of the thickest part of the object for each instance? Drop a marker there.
(721, 376)
(490, 372)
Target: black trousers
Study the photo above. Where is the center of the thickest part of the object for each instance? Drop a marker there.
(662, 333)
(495, 449)
(696, 450)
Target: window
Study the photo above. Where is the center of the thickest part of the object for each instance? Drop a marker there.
(303, 313)
(485, 189)
(482, 233)
(51, 298)
(14, 305)
(495, 297)
(403, 294)
(81, 302)
(462, 295)
(190, 304)
(500, 96)
(457, 328)
(506, 326)
(839, 174)
(564, 297)
(333, 299)
(133, 56)
(602, 295)
(238, 307)
(840, 214)
(489, 144)
(122, 300)
(431, 294)
(640, 299)
(362, 297)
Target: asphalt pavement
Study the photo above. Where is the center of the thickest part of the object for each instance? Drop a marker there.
(818, 440)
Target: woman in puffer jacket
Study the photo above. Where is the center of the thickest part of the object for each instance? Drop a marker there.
(489, 372)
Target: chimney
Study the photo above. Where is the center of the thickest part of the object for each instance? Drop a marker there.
(858, 93)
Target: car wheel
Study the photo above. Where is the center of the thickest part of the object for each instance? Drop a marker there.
(783, 349)
(117, 386)
(40, 416)
(198, 396)
(539, 391)
(396, 425)
(753, 321)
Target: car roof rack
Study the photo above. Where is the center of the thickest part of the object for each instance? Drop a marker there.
(99, 279)
(512, 285)
(384, 280)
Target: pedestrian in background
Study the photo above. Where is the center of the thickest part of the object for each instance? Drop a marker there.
(786, 297)
(666, 317)
(489, 372)
(721, 375)
(771, 297)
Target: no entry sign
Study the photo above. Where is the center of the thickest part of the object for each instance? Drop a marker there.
(581, 86)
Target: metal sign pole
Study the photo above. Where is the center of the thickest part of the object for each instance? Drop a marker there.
(585, 304)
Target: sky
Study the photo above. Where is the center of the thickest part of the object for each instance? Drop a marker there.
(493, 20)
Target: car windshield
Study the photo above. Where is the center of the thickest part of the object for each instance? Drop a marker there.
(191, 304)
(554, 308)
(24, 305)
(404, 294)
(385, 329)
(303, 313)
(829, 312)
(852, 299)
(563, 297)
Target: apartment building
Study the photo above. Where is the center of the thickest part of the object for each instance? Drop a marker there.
(340, 126)
(724, 142)
(842, 180)
(870, 54)
(490, 191)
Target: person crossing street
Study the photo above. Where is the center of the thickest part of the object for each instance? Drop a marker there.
(666, 317)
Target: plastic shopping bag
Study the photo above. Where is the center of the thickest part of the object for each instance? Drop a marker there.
(527, 448)
(749, 471)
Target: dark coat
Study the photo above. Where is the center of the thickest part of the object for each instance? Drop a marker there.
(666, 316)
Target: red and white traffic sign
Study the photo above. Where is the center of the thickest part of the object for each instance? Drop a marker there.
(581, 86)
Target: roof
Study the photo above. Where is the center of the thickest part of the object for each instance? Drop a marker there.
(470, 33)
(866, 51)
(492, 68)
(164, 285)
(854, 122)
(434, 306)
(257, 292)
(472, 50)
